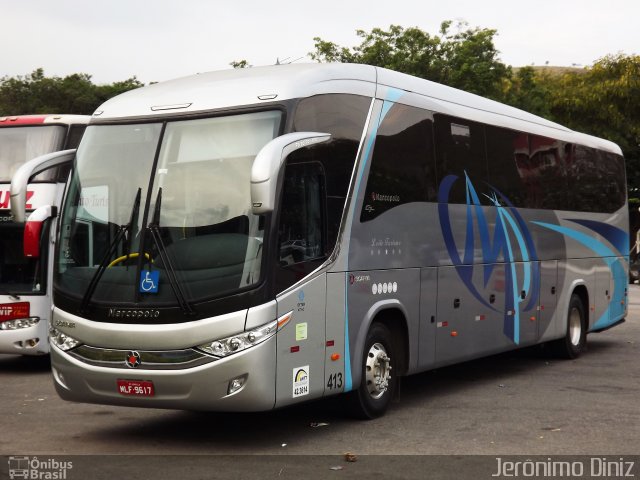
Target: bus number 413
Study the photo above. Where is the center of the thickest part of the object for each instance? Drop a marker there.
(335, 381)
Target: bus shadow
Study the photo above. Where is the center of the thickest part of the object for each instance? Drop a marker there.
(273, 432)
(24, 364)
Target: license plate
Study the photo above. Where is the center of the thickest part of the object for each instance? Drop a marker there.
(136, 388)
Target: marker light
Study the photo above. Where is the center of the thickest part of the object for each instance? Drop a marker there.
(236, 384)
(61, 340)
(240, 342)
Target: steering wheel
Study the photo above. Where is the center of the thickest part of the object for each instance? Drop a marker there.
(128, 257)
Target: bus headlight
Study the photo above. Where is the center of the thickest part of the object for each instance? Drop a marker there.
(19, 323)
(61, 340)
(237, 343)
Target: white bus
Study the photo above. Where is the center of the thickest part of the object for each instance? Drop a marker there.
(25, 290)
(250, 239)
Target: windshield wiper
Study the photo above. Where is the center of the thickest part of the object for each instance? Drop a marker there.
(154, 228)
(122, 229)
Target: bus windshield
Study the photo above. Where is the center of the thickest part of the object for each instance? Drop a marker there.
(20, 144)
(18, 274)
(160, 211)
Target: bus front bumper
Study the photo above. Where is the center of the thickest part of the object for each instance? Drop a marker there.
(203, 387)
(31, 340)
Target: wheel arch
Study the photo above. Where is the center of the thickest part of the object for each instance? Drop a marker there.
(578, 287)
(582, 292)
(393, 315)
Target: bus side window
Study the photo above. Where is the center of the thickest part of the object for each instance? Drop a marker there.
(548, 159)
(614, 180)
(74, 136)
(509, 166)
(58, 173)
(302, 215)
(460, 150)
(402, 167)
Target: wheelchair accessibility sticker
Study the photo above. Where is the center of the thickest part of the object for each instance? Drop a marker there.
(149, 281)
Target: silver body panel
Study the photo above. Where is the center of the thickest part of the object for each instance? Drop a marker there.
(199, 388)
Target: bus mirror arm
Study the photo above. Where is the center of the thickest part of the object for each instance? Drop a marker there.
(33, 229)
(21, 177)
(269, 161)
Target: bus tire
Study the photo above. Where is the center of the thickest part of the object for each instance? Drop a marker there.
(574, 341)
(378, 382)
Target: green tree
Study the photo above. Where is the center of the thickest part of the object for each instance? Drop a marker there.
(73, 94)
(466, 59)
(528, 90)
(240, 64)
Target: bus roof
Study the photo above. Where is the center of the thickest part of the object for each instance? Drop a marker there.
(250, 86)
(22, 120)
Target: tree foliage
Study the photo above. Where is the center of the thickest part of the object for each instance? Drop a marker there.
(528, 90)
(73, 94)
(240, 64)
(465, 59)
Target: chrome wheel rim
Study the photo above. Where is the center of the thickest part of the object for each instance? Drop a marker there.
(377, 371)
(575, 327)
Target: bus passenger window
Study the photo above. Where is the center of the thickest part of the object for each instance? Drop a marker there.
(402, 167)
(460, 150)
(301, 232)
(548, 159)
(509, 166)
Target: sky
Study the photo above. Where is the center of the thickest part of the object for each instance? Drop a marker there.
(156, 40)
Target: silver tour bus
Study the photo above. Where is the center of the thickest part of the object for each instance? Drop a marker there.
(249, 239)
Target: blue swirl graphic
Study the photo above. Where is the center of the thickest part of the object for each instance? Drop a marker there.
(510, 237)
(615, 308)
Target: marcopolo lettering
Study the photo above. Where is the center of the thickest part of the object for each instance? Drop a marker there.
(133, 313)
(383, 197)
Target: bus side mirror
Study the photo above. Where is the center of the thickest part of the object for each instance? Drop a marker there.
(21, 177)
(33, 229)
(269, 161)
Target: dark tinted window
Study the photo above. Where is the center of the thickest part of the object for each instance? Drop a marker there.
(596, 180)
(20, 274)
(460, 149)
(615, 180)
(508, 155)
(402, 167)
(74, 136)
(59, 173)
(545, 180)
(301, 232)
(585, 176)
(343, 116)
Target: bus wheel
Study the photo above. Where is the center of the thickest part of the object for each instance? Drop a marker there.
(575, 339)
(378, 384)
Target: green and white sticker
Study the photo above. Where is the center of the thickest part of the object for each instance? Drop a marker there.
(301, 331)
